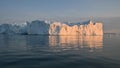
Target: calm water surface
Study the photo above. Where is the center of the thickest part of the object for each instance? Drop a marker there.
(35, 51)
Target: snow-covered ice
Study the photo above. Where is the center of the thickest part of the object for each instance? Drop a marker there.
(54, 28)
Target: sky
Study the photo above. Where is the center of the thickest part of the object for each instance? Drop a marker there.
(19, 11)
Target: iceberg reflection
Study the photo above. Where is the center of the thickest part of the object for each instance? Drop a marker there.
(57, 43)
(76, 42)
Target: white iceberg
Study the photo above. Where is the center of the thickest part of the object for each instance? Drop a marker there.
(55, 28)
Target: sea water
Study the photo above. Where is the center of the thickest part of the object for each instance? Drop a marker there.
(42, 51)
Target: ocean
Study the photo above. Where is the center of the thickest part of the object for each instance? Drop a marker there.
(43, 51)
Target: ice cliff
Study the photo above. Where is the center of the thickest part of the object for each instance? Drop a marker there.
(55, 28)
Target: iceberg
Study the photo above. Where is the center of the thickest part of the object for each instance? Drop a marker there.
(54, 28)
(12, 29)
(37, 27)
(86, 28)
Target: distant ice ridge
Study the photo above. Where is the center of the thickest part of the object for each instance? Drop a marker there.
(54, 28)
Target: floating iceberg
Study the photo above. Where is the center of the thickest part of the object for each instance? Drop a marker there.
(55, 28)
